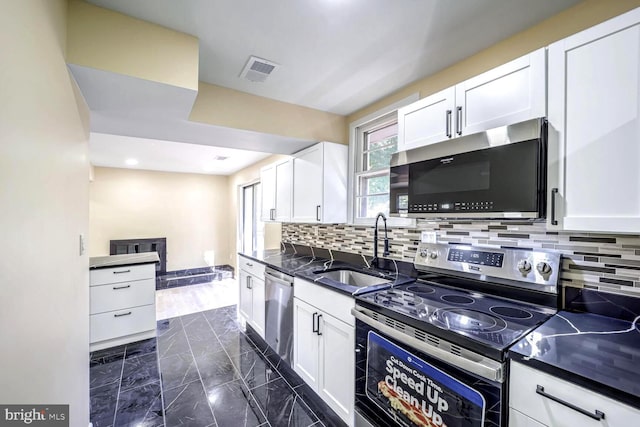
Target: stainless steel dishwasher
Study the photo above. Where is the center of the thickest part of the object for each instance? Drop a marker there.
(278, 328)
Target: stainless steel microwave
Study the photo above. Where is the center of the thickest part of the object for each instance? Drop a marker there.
(499, 173)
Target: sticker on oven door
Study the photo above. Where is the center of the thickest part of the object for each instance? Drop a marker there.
(415, 393)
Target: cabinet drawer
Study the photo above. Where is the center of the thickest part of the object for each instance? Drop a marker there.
(125, 273)
(523, 382)
(119, 323)
(116, 296)
(252, 267)
(331, 302)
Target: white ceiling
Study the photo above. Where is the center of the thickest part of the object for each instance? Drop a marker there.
(337, 55)
(152, 154)
(333, 55)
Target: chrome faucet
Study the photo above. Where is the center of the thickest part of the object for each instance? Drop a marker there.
(385, 251)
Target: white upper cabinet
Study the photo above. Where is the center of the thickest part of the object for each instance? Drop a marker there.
(507, 94)
(320, 184)
(268, 189)
(275, 182)
(594, 135)
(511, 93)
(426, 121)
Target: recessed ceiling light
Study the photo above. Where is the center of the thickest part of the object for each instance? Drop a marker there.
(131, 162)
(220, 158)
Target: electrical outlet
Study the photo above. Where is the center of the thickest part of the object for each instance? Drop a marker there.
(428, 237)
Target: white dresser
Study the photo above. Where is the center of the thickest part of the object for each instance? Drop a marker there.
(122, 300)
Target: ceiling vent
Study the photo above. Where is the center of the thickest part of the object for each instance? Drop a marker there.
(220, 158)
(258, 69)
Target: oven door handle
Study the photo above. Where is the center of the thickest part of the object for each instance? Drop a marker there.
(484, 367)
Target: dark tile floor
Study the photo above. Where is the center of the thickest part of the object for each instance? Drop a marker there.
(201, 370)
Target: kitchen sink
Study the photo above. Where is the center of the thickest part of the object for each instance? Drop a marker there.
(352, 278)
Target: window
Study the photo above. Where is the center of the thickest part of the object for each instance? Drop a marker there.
(373, 139)
(377, 142)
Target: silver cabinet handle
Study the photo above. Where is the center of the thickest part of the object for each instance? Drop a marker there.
(249, 264)
(272, 214)
(121, 287)
(123, 271)
(459, 120)
(597, 415)
(318, 213)
(448, 124)
(248, 284)
(318, 327)
(122, 314)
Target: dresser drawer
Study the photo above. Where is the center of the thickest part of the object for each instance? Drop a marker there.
(116, 296)
(524, 381)
(126, 273)
(252, 267)
(114, 324)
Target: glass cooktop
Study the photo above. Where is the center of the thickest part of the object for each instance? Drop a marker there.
(457, 313)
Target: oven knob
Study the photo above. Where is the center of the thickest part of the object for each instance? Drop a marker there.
(543, 268)
(433, 255)
(524, 266)
(424, 253)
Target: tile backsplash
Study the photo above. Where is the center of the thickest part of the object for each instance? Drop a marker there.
(609, 263)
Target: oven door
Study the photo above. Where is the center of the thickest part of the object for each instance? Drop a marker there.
(397, 384)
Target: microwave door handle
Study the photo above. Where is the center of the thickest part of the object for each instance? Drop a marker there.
(448, 124)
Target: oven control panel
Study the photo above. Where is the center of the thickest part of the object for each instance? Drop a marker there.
(519, 267)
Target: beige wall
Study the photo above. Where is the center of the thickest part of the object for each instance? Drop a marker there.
(272, 231)
(190, 210)
(572, 20)
(44, 320)
(110, 41)
(220, 106)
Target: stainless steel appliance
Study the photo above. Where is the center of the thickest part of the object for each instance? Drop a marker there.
(278, 328)
(434, 352)
(499, 173)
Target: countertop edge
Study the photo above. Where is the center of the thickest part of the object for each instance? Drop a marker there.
(570, 376)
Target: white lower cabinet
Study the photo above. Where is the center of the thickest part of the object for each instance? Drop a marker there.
(122, 305)
(528, 407)
(323, 346)
(252, 297)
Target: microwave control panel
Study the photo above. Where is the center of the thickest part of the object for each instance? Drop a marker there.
(452, 207)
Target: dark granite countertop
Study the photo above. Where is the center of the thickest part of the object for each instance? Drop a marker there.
(124, 259)
(597, 352)
(308, 267)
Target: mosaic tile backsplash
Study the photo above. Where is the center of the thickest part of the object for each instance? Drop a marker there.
(609, 263)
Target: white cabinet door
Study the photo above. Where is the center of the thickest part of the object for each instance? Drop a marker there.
(518, 419)
(594, 117)
(426, 121)
(268, 188)
(283, 172)
(507, 94)
(246, 302)
(307, 184)
(305, 342)
(257, 304)
(337, 364)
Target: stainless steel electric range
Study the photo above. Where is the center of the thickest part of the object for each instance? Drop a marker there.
(432, 353)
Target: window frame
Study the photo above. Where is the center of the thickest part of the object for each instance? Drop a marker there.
(356, 155)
